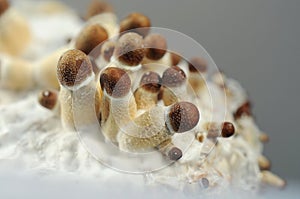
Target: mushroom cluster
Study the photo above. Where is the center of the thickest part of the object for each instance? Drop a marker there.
(144, 96)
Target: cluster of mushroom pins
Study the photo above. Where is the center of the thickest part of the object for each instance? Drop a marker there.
(140, 95)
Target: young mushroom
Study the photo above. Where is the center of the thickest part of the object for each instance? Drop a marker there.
(15, 73)
(129, 52)
(135, 22)
(11, 25)
(97, 7)
(155, 127)
(90, 38)
(49, 100)
(77, 87)
(215, 130)
(197, 73)
(270, 178)
(174, 85)
(146, 96)
(118, 104)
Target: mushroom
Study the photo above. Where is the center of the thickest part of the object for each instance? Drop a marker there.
(118, 104)
(215, 130)
(135, 22)
(197, 73)
(16, 73)
(156, 126)
(97, 7)
(49, 100)
(129, 52)
(146, 96)
(270, 178)
(174, 85)
(11, 25)
(77, 86)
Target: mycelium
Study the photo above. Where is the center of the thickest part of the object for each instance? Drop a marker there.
(11, 25)
(155, 110)
(77, 85)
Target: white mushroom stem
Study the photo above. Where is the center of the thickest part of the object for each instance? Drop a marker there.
(14, 32)
(272, 179)
(79, 96)
(197, 74)
(156, 126)
(15, 73)
(146, 96)
(118, 104)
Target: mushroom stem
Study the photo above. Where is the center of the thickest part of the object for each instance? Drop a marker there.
(11, 25)
(197, 73)
(272, 179)
(156, 126)
(15, 73)
(146, 96)
(118, 104)
(79, 96)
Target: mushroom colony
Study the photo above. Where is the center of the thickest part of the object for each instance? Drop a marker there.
(145, 97)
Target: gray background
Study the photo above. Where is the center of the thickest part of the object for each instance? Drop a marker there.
(256, 42)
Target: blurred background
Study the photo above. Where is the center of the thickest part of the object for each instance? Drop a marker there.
(256, 42)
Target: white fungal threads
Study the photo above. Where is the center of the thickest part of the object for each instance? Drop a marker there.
(15, 73)
(146, 96)
(75, 74)
(11, 25)
(118, 104)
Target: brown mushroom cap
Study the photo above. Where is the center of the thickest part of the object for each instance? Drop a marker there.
(151, 82)
(183, 116)
(175, 154)
(4, 5)
(48, 99)
(90, 37)
(133, 21)
(227, 129)
(155, 46)
(243, 110)
(97, 7)
(197, 64)
(73, 68)
(176, 58)
(115, 81)
(173, 77)
(130, 49)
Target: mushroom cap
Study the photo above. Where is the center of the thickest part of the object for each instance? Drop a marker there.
(130, 49)
(136, 20)
(173, 77)
(155, 46)
(48, 99)
(151, 81)
(182, 117)
(175, 154)
(4, 5)
(115, 81)
(90, 37)
(107, 50)
(198, 64)
(73, 68)
(243, 110)
(97, 7)
(227, 129)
